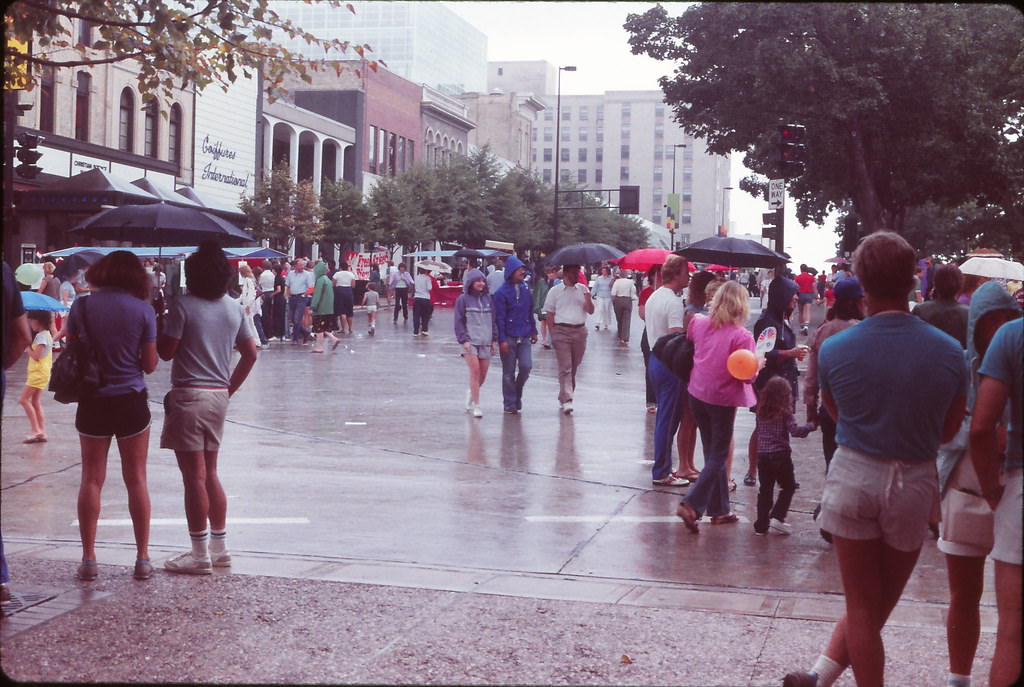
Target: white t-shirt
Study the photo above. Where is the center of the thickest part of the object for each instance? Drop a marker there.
(344, 278)
(624, 286)
(423, 284)
(663, 311)
(567, 303)
(267, 281)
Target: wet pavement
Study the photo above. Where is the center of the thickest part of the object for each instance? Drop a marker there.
(382, 535)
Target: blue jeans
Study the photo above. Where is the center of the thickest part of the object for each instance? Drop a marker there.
(519, 353)
(670, 392)
(296, 307)
(710, 494)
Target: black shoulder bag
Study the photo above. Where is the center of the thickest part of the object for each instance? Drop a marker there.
(675, 352)
(76, 373)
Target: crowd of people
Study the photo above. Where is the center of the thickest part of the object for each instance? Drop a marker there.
(913, 380)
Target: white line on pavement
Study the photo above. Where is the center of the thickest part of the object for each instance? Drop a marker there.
(120, 522)
(605, 518)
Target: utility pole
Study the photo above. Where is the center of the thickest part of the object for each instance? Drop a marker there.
(558, 147)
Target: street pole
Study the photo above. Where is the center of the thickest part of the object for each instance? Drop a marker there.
(558, 147)
(675, 220)
(724, 189)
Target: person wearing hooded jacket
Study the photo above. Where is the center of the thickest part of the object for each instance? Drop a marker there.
(324, 319)
(517, 332)
(781, 360)
(477, 333)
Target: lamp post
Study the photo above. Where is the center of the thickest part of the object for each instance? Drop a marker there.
(558, 145)
(675, 220)
(724, 189)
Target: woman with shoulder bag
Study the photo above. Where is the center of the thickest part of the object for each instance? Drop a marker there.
(967, 520)
(120, 327)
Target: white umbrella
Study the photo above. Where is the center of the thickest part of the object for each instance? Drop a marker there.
(994, 268)
(434, 266)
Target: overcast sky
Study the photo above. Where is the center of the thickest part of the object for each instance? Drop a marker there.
(589, 35)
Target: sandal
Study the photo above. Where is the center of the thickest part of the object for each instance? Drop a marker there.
(87, 571)
(34, 439)
(732, 485)
(143, 569)
(689, 517)
(750, 481)
(692, 476)
(724, 519)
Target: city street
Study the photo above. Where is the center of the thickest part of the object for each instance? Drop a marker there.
(381, 534)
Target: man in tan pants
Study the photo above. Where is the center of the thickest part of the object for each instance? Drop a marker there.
(567, 305)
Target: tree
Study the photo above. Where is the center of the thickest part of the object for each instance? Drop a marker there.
(396, 215)
(280, 210)
(903, 104)
(173, 42)
(346, 217)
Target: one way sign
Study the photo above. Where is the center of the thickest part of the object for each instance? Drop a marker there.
(776, 193)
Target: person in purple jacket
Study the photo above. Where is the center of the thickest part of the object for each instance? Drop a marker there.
(517, 332)
(477, 333)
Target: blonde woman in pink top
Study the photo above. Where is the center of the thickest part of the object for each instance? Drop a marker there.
(714, 396)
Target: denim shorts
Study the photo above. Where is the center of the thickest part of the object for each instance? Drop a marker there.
(805, 298)
(481, 352)
(123, 416)
(878, 498)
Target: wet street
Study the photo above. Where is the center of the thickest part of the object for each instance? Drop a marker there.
(366, 455)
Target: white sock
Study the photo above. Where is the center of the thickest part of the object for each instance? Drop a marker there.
(218, 541)
(828, 671)
(958, 680)
(200, 546)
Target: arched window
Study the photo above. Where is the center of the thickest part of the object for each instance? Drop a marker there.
(126, 122)
(174, 136)
(151, 146)
(83, 87)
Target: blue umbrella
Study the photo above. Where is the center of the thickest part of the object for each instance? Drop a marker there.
(33, 300)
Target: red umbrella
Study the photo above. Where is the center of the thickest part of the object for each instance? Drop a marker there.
(719, 268)
(642, 258)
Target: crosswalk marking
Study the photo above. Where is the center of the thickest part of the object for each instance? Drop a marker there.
(158, 522)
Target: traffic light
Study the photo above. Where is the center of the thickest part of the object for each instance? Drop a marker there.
(791, 150)
(629, 200)
(771, 221)
(28, 156)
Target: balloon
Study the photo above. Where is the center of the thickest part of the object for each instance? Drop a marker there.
(29, 274)
(742, 364)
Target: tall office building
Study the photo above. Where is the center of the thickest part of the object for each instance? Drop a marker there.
(424, 42)
(624, 138)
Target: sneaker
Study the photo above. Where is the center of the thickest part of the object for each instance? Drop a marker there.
(424, 333)
(370, 332)
(800, 678)
(477, 412)
(781, 527)
(567, 407)
(221, 559)
(759, 533)
(749, 480)
(671, 481)
(187, 564)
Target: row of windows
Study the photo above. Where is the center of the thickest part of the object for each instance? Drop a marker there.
(583, 112)
(390, 154)
(565, 176)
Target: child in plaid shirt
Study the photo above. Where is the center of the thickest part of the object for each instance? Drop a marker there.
(775, 424)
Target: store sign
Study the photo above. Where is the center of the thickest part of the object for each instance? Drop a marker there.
(361, 263)
(225, 142)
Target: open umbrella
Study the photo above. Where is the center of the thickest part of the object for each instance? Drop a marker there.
(434, 265)
(480, 253)
(71, 265)
(33, 300)
(839, 260)
(29, 274)
(584, 254)
(642, 258)
(160, 224)
(994, 268)
(732, 251)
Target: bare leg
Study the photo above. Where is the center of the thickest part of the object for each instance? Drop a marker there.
(686, 441)
(752, 455)
(134, 453)
(1006, 659)
(217, 499)
(25, 401)
(94, 472)
(473, 364)
(193, 475)
(38, 407)
(485, 364)
(963, 622)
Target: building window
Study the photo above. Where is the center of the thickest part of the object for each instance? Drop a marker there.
(401, 153)
(547, 176)
(659, 111)
(566, 114)
(372, 162)
(410, 152)
(599, 134)
(599, 155)
(686, 196)
(598, 176)
(659, 130)
(46, 100)
(657, 175)
(82, 106)
(549, 115)
(581, 176)
(547, 155)
(626, 110)
(174, 135)
(534, 135)
(624, 173)
(392, 154)
(624, 152)
(152, 129)
(625, 132)
(687, 173)
(581, 155)
(584, 113)
(657, 199)
(564, 155)
(85, 33)
(565, 176)
(126, 122)
(581, 135)
(600, 113)
(548, 134)
(686, 219)
(566, 134)
(501, 71)
(659, 151)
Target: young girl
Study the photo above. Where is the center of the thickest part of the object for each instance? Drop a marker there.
(39, 363)
(775, 424)
(370, 300)
(476, 331)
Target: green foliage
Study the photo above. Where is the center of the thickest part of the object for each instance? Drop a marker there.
(280, 209)
(174, 43)
(904, 104)
(347, 218)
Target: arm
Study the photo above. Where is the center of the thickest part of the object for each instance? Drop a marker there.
(37, 351)
(829, 404)
(248, 351)
(588, 300)
(988, 408)
(500, 312)
(166, 347)
(149, 356)
(18, 338)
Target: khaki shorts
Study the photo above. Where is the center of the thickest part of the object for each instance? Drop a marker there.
(1008, 520)
(194, 419)
(871, 498)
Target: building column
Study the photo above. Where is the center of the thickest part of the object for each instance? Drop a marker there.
(293, 155)
(339, 163)
(318, 156)
(268, 144)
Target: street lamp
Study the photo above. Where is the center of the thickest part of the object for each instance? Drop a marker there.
(558, 143)
(724, 189)
(678, 208)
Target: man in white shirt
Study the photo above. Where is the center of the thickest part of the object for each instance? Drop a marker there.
(297, 283)
(422, 308)
(266, 282)
(567, 305)
(623, 295)
(663, 314)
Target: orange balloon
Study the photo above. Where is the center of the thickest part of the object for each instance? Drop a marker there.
(742, 364)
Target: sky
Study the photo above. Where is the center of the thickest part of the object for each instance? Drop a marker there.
(589, 35)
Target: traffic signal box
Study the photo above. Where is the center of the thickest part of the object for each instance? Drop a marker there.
(772, 221)
(28, 156)
(792, 152)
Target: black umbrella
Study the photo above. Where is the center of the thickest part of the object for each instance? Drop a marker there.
(161, 224)
(70, 266)
(732, 251)
(584, 254)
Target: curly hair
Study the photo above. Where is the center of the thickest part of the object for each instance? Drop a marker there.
(673, 266)
(207, 271)
(120, 270)
(775, 399)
